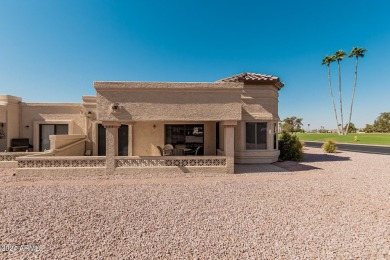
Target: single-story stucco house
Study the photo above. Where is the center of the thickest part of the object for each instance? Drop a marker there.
(124, 127)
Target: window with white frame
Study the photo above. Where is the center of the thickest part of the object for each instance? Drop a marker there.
(256, 135)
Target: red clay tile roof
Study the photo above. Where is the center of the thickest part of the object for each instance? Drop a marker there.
(247, 77)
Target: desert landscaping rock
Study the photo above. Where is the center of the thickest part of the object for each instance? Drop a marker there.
(327, 207)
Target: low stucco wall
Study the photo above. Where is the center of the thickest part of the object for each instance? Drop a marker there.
(61, 165)
(68, 145)
(8, 159)
(11, 164)
(97, 165)
(122, 171)
(251, 157)
(170, 170)
(33, 172)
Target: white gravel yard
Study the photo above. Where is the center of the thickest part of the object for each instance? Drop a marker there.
(327, 207)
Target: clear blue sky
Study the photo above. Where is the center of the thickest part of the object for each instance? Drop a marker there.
(53, 50)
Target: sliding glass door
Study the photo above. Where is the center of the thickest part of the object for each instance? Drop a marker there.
(45, 130)
(189, 137)
(123, 140)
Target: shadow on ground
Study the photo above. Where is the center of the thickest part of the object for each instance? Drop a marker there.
(310, 157)
(295, 166)
(258, 168)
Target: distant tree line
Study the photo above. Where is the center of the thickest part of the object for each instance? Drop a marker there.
(294, 125)
(381, 124)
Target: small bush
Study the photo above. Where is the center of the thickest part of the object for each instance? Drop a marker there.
(329, 146)
(291, 149)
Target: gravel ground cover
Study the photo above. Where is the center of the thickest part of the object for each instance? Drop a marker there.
(327, 207)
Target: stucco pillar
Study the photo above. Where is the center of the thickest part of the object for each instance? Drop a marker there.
(229, 143)
(111, 146)
(130, 145)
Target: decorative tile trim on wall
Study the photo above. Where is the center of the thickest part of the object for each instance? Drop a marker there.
(8, 158)
(179, 162)
(75, 163)
(11, 156)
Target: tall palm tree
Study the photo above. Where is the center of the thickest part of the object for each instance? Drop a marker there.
(358, 53)
(327, 60)
(340, 55)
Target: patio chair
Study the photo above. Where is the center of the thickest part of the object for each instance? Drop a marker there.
(167, 150)
(196, 151)
(168, 147)
(178, 152)
(161, 150)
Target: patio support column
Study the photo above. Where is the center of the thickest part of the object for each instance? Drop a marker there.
(111, 145)
(130, 145)
(229, 143)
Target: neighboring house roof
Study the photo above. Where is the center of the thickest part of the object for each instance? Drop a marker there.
(253, 78)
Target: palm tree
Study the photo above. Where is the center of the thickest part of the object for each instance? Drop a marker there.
(327, 61)
(340, 55)
(358, 53)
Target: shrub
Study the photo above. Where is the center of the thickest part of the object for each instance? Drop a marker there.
(329, 146)
(291, 149)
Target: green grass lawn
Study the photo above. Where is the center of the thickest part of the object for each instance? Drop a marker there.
(376, 139)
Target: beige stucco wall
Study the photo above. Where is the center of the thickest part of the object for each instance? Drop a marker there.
(146, 137)
(75, 150)
(242, 155)
(3, 114)
(11, 116)
(3, 120)
(260, 102)
(34, 114)
(89, 112)
(140, 101)
(67, 145)
(147, 107)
